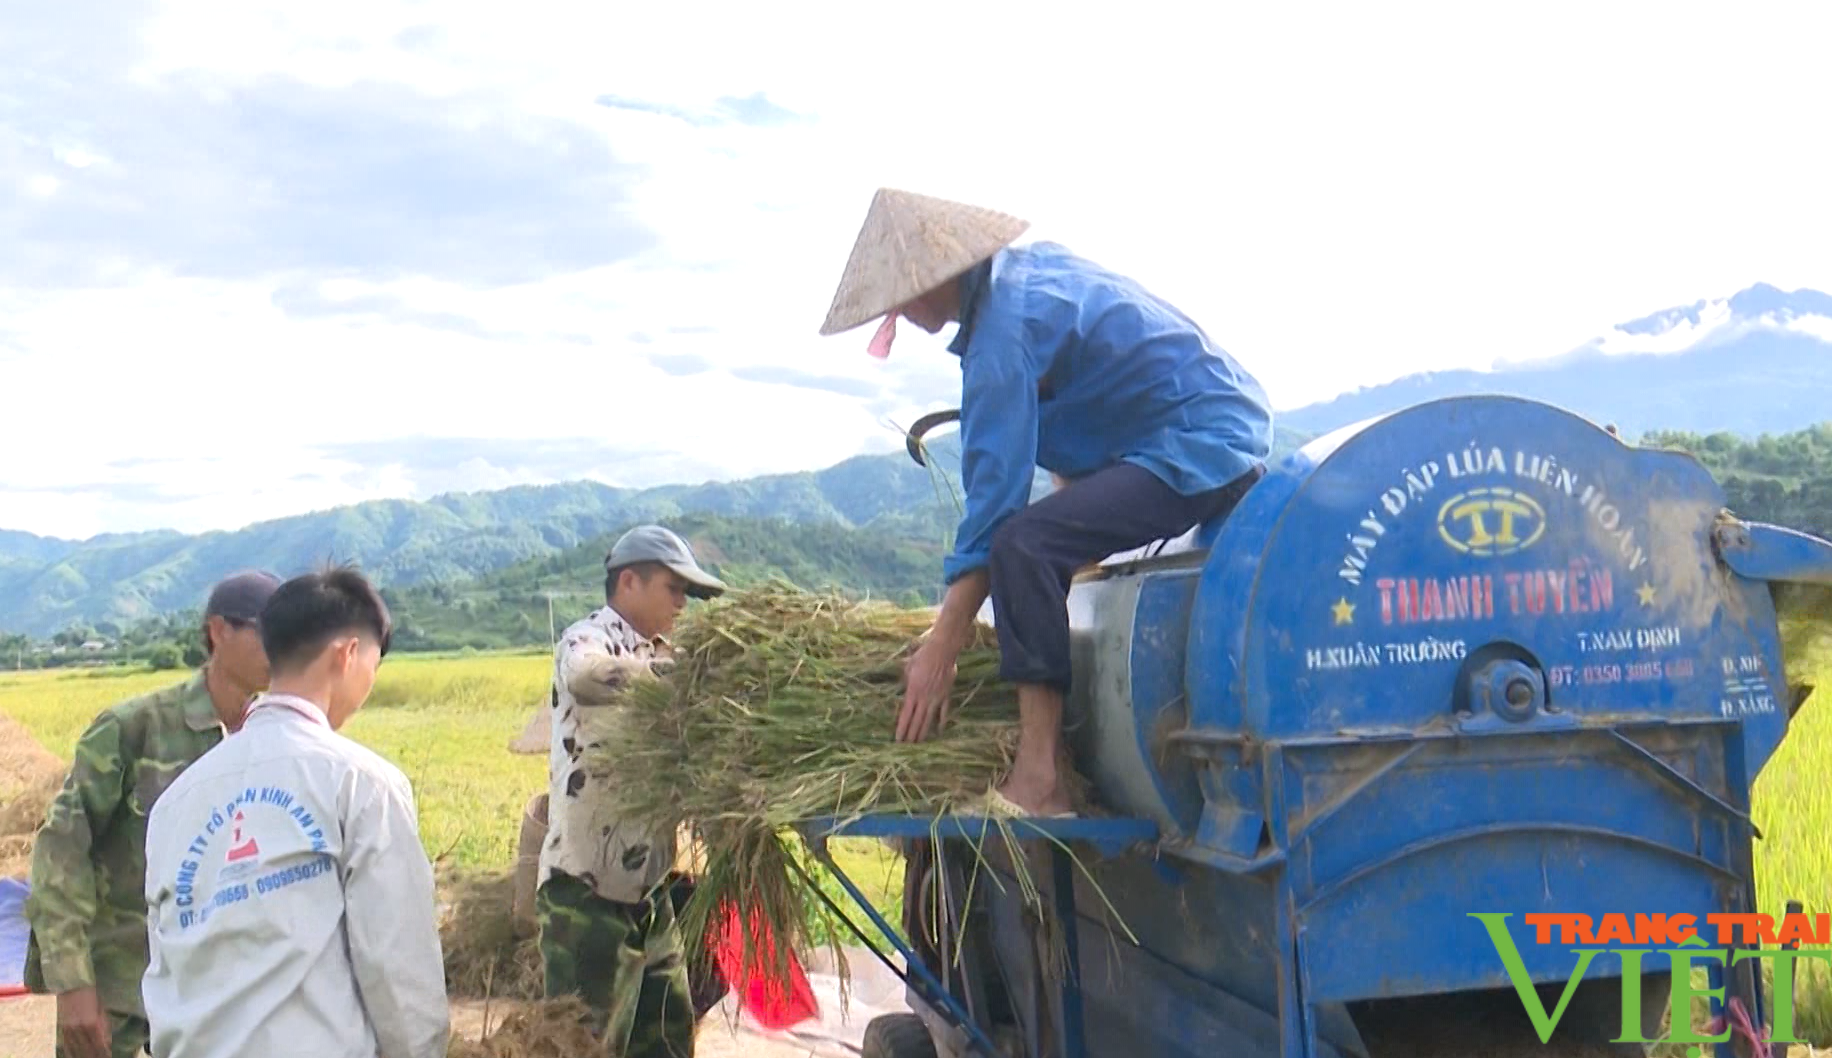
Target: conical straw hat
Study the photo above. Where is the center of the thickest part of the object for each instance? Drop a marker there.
(909, 245)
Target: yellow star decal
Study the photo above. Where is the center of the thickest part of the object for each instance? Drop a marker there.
(1344, 611)
(1646, 594)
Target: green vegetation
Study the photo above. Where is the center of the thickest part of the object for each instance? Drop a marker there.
(1786, 479)
(447, 723)
(895, 554)
(51, 586)
(896, 508)
(510, 607)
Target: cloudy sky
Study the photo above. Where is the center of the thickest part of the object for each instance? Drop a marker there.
(259, 258)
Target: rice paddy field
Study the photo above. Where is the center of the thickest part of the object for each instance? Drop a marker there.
(446, 721)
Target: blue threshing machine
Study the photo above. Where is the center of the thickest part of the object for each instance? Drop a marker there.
(1478, 655)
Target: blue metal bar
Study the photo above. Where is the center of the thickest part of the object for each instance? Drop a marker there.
(853, 926)
(1291, 993)
(1278, 816)
(1667, 771)
(1714, 980)
(1736, 769)
(1292, 1013)
(1321, 893)
(1073, 1040)
(1297, 837)
(1348, 795)
(1227, 861)
(1768, 552)
(1371, 736)
(933, 987)
(1107, 835)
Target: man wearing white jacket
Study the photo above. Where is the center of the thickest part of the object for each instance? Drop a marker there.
(290, 903)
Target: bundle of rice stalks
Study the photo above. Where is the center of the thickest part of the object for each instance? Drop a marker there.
(782, 709)
(26, 806)
(553, 1028)
(485, 958)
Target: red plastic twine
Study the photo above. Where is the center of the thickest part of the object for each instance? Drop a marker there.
(1739, 1019)
(775, 1004)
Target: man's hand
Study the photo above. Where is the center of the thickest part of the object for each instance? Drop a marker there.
(81, 1024)
(598, 679)
(929, 675)
(929, 680)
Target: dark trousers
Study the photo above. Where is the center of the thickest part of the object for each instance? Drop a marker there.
(1036, 552)
(625, 961)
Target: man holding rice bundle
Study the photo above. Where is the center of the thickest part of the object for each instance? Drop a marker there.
(608, 929)
(1068, 367)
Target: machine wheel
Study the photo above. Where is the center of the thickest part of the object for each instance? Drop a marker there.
(898, 1036)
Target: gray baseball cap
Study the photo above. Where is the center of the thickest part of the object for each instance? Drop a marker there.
(653, 543)
(242, 597)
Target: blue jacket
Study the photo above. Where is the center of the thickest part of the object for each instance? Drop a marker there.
(1125, 378)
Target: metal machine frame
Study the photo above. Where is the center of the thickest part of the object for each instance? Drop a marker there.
(1107, 836)
(946, 1012)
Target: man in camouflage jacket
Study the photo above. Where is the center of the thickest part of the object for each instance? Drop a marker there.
(87, 908)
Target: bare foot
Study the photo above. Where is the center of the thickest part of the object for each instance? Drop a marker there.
(1034, 784)
(1038, 797)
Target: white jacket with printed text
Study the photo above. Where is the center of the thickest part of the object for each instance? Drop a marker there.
(290, 905)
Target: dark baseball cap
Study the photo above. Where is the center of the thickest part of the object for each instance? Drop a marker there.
(241, 597)
(653, 543)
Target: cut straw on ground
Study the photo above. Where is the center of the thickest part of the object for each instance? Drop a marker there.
(554, 1028)
(486, 955)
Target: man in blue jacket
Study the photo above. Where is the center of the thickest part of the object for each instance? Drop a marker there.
(1068, 367)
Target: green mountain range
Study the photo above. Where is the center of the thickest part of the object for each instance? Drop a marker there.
(873, 526)
(510, 607)
(885, 501)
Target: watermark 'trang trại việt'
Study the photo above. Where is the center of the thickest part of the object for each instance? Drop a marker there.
(1634, 937)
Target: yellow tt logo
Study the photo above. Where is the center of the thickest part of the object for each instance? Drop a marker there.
(1489, 522)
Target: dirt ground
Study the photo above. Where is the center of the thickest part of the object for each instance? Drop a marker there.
(26, 1031)
(26, 1027)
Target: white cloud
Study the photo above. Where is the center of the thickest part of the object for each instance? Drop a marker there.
(546, 222)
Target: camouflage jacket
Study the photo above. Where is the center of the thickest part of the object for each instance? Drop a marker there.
(87, 906)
